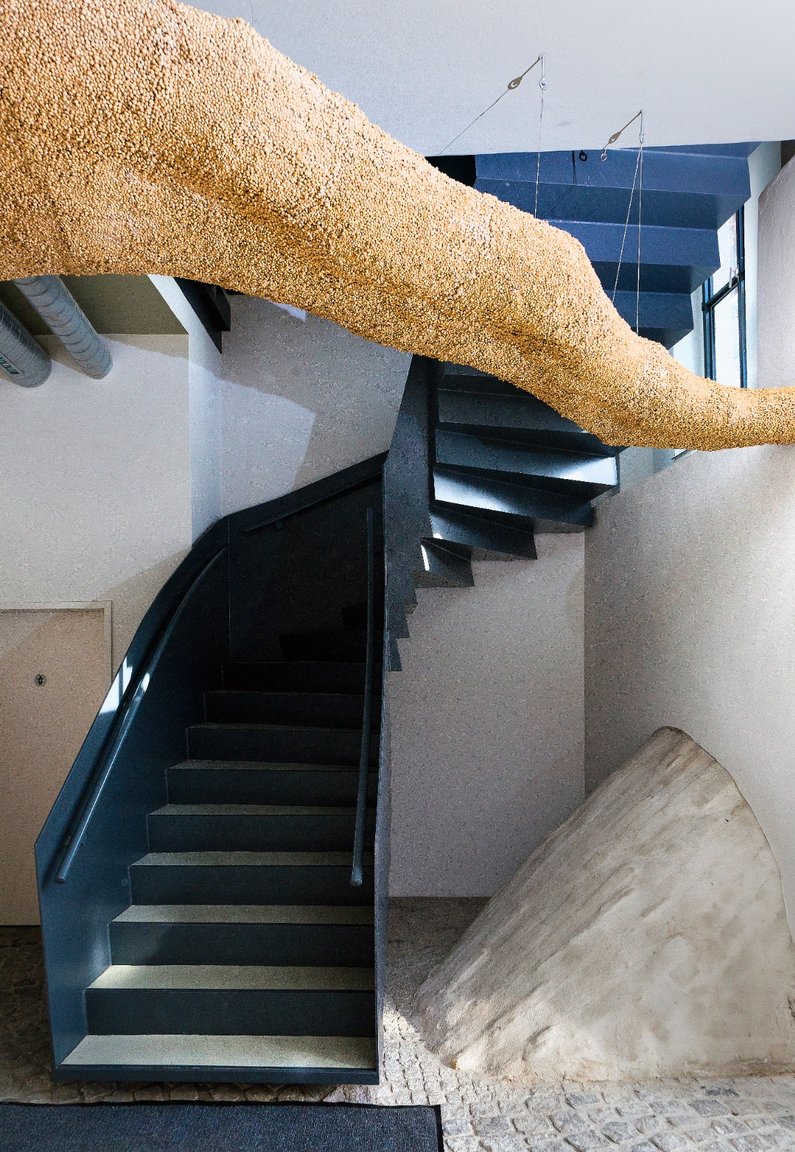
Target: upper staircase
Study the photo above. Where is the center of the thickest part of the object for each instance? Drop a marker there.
(477, 468)
(688, 194)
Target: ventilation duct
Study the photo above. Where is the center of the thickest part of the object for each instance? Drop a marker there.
(21, 358)
(63, 315)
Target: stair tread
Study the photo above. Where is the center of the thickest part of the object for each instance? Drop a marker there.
(246, 914)
(236, 724)
(214, 977)
(235, 664)
(252, 810)
(226, 1051)
(280, 692)
(247, 859)
(257, 766)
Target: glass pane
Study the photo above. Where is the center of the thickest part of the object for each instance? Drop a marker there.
(727, 340)
(727, 246)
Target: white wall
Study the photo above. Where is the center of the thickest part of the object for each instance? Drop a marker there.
(776, 292)
(300, 399)
(487, 723)
(690, 622)
(689, 595)
(95, 491)
(204, 407)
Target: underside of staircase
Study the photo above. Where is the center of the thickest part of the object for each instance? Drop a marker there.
(213, 875)
(687, 194)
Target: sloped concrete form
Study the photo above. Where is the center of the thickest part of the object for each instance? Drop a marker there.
(145, 136)
(646, 937)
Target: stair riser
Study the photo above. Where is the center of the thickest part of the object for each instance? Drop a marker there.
(539, 507)
(542, 482)
(281, 944)
(566, 472)
(284, 708)
(247, 884)
(610, 204)
(520, 418)
(229, 1012)
(250, 786)
(252, 833)
(706, 173)
(321, 676)
(288, 746)
(480, 535)
(219, 1074)
(349, 648)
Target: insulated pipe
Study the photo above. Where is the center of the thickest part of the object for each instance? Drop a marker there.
(63, 315)
(21, 358)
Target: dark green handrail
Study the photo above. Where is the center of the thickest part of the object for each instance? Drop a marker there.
(367, 712)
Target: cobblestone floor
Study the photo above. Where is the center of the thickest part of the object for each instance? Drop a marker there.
(751, 1114)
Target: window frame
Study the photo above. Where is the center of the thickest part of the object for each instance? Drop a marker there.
(710, 300)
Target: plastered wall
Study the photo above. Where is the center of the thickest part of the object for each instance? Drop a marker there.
(300, 399)
(690, 593)
(487, 723)
(95, 488)
(690, 622)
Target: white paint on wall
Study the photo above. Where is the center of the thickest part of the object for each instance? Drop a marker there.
(776, 305)
(764, 165)
(204, 406)
(95, 484)
(705, 73)
(690, 622)
(300, 400)
(487, 723)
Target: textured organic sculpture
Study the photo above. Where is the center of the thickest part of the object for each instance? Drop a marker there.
(143, 136)
(646, 937)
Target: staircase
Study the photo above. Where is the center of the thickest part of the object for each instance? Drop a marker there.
(688, 193)
(245, 951)
(202, 914)
(495, 467)
(243, 919)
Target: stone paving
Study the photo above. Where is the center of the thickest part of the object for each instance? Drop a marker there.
(749, 1114)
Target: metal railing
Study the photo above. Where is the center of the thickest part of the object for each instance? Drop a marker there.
(367, 712)
(128, 707)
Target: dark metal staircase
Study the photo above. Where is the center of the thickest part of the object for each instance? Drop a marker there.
(495, 465)
(688, 193)
(477, 468)
(207, 913)
(243, 922)
(199, 872)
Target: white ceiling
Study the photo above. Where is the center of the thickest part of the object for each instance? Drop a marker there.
(705, 71)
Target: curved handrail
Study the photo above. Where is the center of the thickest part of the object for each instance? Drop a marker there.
(94, 762)
(323, 498)
(367, 715)
(110, 752)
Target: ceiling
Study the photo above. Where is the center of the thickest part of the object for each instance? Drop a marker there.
(118, 304)
(714, 71)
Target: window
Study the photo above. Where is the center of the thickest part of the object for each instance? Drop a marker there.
(723, 309)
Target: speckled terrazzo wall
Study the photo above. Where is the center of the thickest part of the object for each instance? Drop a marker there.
(145, 136)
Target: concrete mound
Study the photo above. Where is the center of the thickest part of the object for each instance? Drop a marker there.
(646, 937)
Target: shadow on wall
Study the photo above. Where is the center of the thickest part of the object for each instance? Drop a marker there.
(300, 399)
